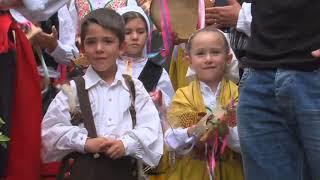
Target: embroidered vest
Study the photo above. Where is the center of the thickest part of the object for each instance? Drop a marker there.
(84, 7)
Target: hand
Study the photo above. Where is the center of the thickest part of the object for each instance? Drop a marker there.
(47, 41)
(7, 4)
(96, 145)
(316, 53)
(157, 99)
(115, 149)
(226, 16)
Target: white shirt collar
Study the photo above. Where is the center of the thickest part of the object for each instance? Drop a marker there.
(210, 98)
(205, 88)
(92, 78)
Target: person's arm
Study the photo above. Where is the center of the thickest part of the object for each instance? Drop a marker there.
(176, 139)
(166, 87)
(41, 14)
(244, 20)
(225, 16)
(59, 136)
(145, 141)
(66, 50)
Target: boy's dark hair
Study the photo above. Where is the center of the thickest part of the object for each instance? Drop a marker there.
(208, 29)
(128, 16)
(107, 18)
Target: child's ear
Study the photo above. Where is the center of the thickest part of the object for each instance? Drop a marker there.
(229, 57)
(123, 47)
(188, 58)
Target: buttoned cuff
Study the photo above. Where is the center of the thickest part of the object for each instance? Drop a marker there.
(177, 138)
(131, 145)
(79, 142)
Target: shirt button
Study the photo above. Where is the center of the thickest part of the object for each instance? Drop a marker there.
(110, 99)
(109, 119)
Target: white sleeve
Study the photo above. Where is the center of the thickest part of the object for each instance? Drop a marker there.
(74, 17)
(66, 50)
(166, 87)
(233, 141)
(244, 19)
(176, 139)
(51, 7)
(145, 141)
(59, 136)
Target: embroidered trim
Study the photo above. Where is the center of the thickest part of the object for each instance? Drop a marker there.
(83, 7)
(116, 4)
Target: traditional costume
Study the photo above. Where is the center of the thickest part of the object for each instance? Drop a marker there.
(188, 102)
(111, 116)
(20, 101)
(149, 72)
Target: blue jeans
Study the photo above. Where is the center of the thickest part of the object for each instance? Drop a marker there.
(279, 124)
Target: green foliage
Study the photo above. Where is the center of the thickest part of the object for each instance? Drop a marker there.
(3, 138)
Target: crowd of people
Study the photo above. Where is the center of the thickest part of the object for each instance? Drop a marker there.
(86, 94)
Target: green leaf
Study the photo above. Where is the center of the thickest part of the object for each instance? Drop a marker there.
(4, 138)
(1, 122)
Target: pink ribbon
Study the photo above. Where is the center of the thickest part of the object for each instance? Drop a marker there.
(166, 28)
(201, 14)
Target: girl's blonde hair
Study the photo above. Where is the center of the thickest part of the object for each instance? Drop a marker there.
(208, 29)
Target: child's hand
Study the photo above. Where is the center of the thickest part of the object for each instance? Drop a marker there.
(157, 99)
(96, 145)
(115, 149)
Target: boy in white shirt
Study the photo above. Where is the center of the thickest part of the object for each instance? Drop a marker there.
(102, 34)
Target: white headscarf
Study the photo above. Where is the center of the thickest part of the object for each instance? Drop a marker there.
(139, 10)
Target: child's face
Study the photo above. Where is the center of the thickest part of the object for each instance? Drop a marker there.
(208, 56)
(101, 47)
(136, 36)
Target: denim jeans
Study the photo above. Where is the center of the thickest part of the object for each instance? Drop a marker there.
(279, 124)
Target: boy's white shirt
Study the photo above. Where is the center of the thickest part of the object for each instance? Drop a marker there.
(110, 107)
(177, 139)
(164, 83)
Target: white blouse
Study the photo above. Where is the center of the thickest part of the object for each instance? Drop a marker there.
(110, 107)
(178, 139)
(164, 83)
